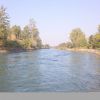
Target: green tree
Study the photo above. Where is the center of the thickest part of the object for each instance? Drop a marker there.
(30, 32)
(97, 40)
(91, 43)
(94, 40)
(4, 23)
(77, 38)
(17, 31)
(25, 32)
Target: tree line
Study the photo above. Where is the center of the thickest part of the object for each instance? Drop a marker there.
(15, 36)
(28, 37)
(79, 40)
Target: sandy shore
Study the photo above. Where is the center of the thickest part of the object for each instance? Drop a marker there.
(86, 50)
(3, 51)
(74, 49)
(83, 50)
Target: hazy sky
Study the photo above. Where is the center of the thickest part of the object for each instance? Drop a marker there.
(55, 18)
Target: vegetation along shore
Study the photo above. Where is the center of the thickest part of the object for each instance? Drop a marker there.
(15, 38)
(80, 50)
(79, 42)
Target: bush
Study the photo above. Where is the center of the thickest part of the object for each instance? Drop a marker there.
(12, 44)
(26, 43)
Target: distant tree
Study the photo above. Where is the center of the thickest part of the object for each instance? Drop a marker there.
(94, 40)
(69, 45)
(46, 46)
(63, 45)
(77, 38)
(33, 29)
(98, 28)
(4, 23)
(97, 40)
(91, 43)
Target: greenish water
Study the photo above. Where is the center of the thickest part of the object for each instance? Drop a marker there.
(49, 70)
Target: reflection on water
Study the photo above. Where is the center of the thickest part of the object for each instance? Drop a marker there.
(49, 70)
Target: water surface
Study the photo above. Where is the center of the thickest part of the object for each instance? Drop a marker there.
(49, 70)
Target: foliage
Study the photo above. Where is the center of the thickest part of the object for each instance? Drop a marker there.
(26, 38)
(16, 30)
(94, 40)
(77, 38)
(97, 40)
(69, 45)
(91, 43)
(30, 32)
(4, 23)
(26, 43)
(12, 44)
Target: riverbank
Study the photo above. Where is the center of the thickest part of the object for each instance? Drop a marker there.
(15, 50)
(95, 51)
(12, 50)
(3, 51)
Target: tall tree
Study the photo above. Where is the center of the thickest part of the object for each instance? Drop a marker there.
(77, 38)
(33, 29)
(31, 33)
(26, 32)
(17, 31)
(4, 23)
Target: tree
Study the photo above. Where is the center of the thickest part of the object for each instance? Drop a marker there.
(97, 40)
(14, 36)
(98, 28)
(33, 29)
(91, 42)
(94, 40)
(39, 42)
(69, 45)
(62, 45)
(17, 31)
(25, 32)
(30, 30)
(31, 33)
(77, 38)
(4, 23)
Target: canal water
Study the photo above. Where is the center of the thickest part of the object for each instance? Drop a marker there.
(49, 70)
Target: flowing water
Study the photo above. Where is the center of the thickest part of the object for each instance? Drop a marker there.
(49, 70)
